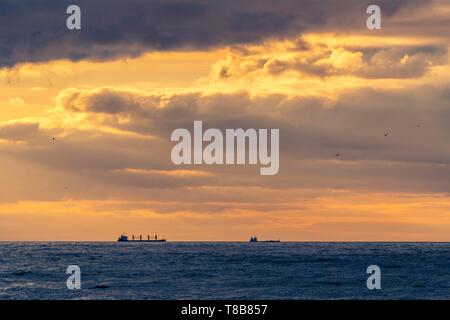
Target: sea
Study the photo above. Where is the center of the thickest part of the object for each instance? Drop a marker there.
(188, 270)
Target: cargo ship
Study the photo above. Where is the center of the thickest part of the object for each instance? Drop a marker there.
(124, 238)
(255, 239)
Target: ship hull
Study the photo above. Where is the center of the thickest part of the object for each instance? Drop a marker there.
(163, 240)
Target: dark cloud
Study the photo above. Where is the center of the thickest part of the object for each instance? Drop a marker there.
(35, 30)
(309, 124)
(18, 131)
(105, 103)
(414, 157)
(403, 62)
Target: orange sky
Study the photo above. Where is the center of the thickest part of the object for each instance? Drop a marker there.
(328, 92)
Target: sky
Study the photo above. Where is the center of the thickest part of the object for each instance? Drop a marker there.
(86, 117)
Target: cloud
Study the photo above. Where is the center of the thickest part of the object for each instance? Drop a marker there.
(388, 140)
(113, 29)
(401, 62)
(18, 131)
(321, 60)
(105, 101)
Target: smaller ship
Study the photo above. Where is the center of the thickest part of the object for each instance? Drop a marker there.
(255, 239)
(124, 238)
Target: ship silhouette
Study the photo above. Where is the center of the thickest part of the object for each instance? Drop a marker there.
(255, 239)
(124, 238)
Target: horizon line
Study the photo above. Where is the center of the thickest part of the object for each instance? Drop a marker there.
(221, 241)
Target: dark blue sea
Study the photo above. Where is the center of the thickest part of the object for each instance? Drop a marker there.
(37, 270)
